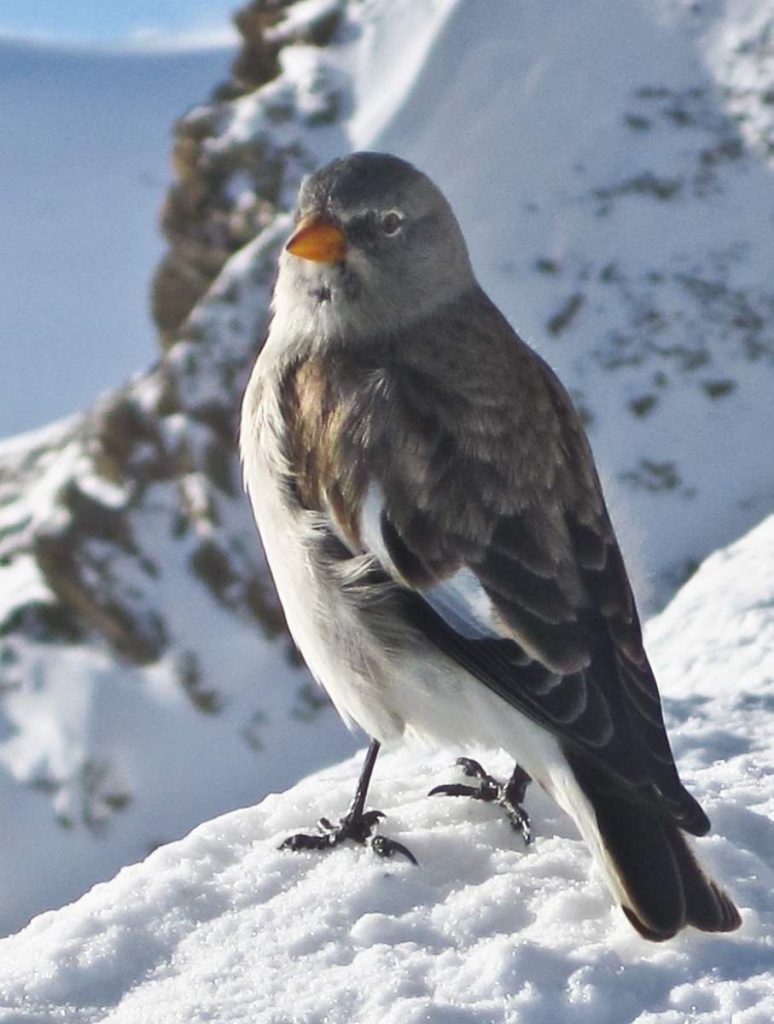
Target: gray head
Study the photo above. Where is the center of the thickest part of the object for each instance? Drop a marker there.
(376, 247)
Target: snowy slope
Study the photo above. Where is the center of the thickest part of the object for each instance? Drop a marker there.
(223, 926)
(102, 758)
(616, 189)
(85, 161)
(616, 215)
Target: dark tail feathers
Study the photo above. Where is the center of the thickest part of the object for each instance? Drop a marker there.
(665, 887)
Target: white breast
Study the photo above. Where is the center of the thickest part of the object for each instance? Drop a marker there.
(322, 620)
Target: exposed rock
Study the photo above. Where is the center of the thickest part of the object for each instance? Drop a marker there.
(205, 219)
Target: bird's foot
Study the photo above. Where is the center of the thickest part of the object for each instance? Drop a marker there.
(358, 827)
(509, 795)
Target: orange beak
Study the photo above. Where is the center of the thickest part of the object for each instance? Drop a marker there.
(317, 240)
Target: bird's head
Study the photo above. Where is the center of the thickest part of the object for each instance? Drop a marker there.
(376, 246)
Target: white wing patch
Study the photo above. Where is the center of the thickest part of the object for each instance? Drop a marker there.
(371, 528)
(464, 604)
(460, 600)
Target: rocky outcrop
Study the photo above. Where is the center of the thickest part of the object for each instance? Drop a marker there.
(167, 442)
(205, 218)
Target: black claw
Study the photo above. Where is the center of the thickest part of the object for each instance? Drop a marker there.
(357, 824)
(473, 769)
(303, 841)
(455, 789)
(357, 827)
(509, 795)
(385, 847)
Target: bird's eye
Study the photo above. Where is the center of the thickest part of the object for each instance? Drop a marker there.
(391, 222)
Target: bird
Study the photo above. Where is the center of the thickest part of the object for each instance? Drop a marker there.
(434, 522)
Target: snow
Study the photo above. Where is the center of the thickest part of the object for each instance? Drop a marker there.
(224, 926)
(106, 760)
(381, 84)
(740, 55)
(21, 584)
(296, 19)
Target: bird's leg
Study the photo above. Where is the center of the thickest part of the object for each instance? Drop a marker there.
(357, 824)
(509, 795)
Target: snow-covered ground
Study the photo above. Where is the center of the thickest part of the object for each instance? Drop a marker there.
(224, 927)
(85, 162)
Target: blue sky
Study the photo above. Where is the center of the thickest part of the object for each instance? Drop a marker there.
(110, 22)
